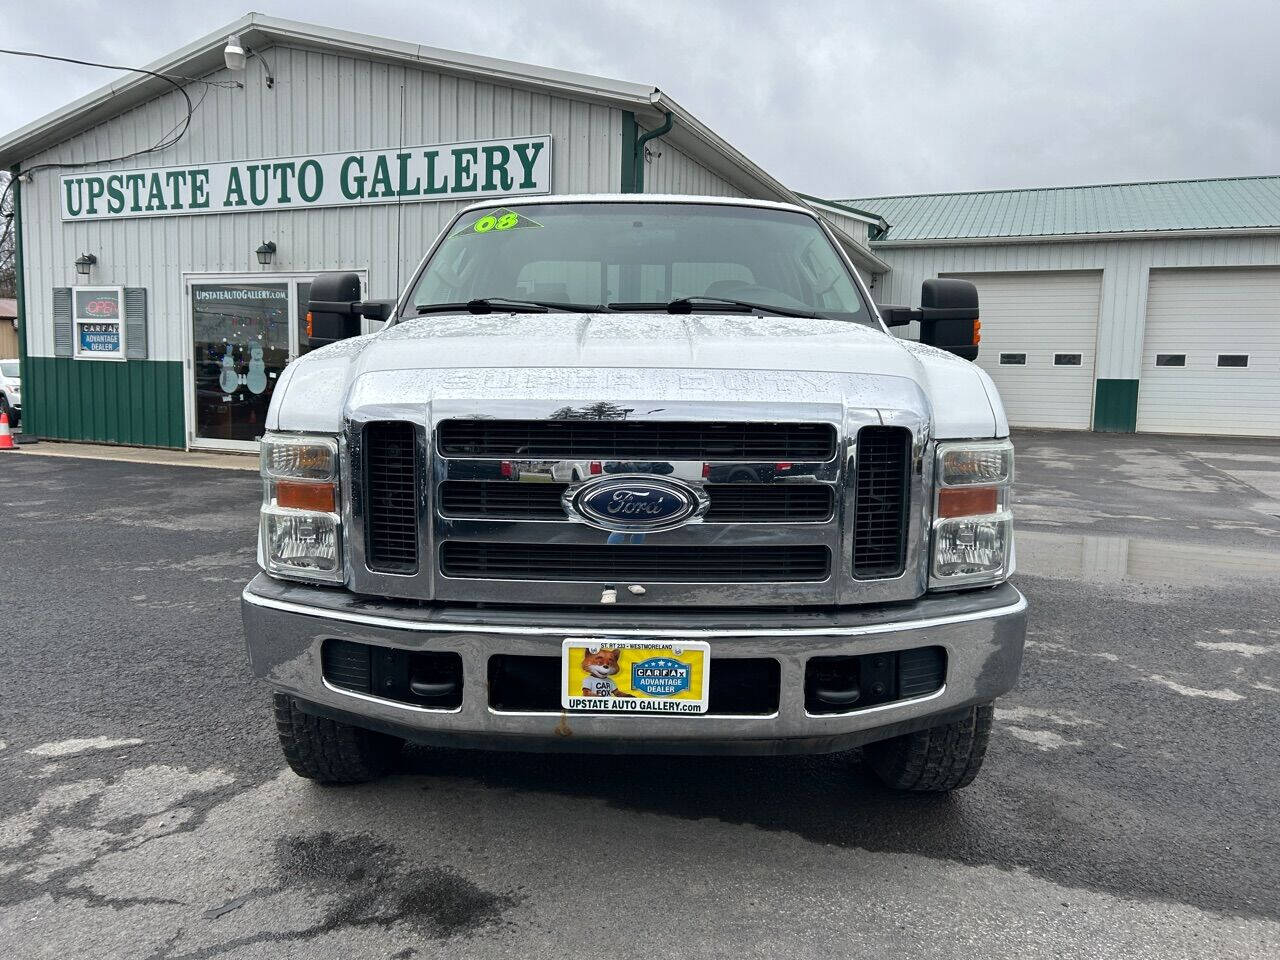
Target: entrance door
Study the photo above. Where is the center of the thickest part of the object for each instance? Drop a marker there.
(244, 330)
(243, 334)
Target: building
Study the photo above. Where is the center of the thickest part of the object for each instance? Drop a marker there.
(8, 328)
(1135, 306)
(162, 293)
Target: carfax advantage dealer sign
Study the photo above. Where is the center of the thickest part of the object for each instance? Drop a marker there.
(451, 171)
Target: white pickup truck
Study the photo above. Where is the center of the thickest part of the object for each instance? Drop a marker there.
(797, 540)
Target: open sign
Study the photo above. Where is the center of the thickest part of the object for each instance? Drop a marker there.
(102, 308)
(97, 303)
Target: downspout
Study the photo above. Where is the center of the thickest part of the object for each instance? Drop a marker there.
(637, 159)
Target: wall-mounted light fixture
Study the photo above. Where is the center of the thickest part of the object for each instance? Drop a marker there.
(234, 54)
(264, 252)
(84, 263)
(237, 55)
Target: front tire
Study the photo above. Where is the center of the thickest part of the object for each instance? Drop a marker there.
(328, 751)
(936, 760)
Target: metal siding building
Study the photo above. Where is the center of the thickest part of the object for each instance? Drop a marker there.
(1215, 241)
(331, 92)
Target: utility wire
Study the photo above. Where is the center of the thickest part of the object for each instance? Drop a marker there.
(170, 138)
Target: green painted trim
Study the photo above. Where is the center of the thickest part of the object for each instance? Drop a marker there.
(638, 150)
(134, 402)
(882, 225)
(629, 133)
(1115, 406)
(20, 291)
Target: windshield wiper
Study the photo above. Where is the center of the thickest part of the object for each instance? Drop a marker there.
(505, 305)
(686, 305)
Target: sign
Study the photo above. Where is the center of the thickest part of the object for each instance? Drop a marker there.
(452, 171)
(97, 314)
(635, 676)
(98, 304)
(100, 338)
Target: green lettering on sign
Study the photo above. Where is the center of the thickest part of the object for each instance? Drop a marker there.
(528, 153)
(96, 188)
(199, 189)
(433, 185)
(235, 192)
(464, 174)
(352, 186)
(380, 185)
(311, 180)
(510, 166)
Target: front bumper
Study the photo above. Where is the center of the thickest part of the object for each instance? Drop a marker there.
(981, 631)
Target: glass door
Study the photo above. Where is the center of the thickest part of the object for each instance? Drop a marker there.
(243, 334)
(244, 330)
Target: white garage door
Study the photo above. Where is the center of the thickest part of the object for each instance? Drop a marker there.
(1039, 331)
(1211, 355)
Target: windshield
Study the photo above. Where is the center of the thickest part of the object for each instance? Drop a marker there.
(640, 256)
(9, 368)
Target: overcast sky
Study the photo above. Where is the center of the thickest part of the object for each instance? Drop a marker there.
(840, 99)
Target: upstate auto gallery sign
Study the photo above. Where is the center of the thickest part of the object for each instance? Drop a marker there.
(452, 171)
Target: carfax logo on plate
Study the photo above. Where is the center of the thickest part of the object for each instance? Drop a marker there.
(660, 677)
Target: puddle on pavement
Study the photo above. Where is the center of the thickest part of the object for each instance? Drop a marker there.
(1104, 559)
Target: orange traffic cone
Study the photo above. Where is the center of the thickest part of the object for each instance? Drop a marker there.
(6, 438)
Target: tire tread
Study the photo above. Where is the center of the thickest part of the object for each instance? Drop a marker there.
(328, 751)
(936, 760)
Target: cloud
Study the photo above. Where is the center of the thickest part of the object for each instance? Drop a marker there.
(840, 99)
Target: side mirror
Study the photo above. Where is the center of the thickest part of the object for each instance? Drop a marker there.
(897, 316)
(335, 308)
(949, 316)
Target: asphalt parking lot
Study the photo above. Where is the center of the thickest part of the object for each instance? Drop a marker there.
(1128, 807)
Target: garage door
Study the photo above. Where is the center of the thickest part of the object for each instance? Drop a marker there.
(1038, 336)
(1211, 354)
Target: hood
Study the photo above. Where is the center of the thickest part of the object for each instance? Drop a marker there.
(320, 381)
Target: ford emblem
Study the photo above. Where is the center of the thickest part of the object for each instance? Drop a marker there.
(634, 504)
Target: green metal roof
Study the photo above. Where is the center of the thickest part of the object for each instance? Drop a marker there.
(1170, 205)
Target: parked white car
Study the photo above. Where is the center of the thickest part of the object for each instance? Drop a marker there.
(10, 391)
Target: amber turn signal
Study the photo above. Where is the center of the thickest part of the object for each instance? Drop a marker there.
(967, 501)
(305, 496)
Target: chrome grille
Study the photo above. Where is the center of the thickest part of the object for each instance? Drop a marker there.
(881, 495)
(390, 497)
(496, 532)
(636, 440)
(627, 563)
(730, 502)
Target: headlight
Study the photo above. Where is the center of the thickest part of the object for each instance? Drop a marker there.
(972, 525)
(300, 535)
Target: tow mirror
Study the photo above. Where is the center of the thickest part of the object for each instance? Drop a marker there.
(949, 316)
(335, 308)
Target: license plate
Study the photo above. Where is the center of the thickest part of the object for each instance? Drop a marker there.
(635, 676)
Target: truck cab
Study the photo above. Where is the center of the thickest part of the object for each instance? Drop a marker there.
(637, 474)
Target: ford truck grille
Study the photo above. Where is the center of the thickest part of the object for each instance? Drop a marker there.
(636, 440)
(484, 500)
(390, 496)
(633, 563)
(881, 497)
(730, 502)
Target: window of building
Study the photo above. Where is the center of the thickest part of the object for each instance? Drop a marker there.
(1171, 359)
(1067, 359)
(1013, 359)
(1233, 359)
(98, 313)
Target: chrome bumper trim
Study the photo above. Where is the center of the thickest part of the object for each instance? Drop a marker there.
(404, 623)
(287, 625)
